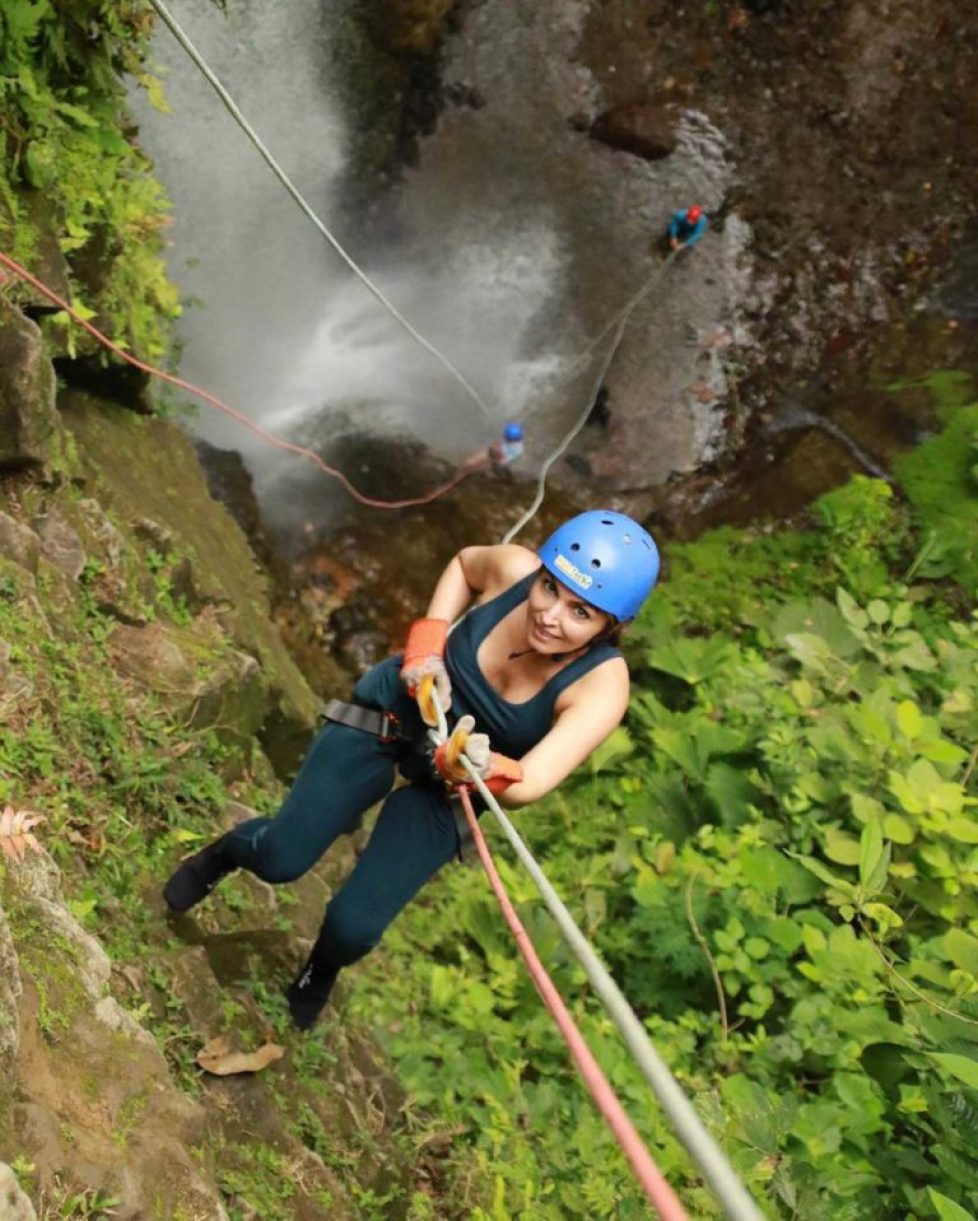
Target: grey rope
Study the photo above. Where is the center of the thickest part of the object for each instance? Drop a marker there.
(286, 181)
(686, 1124)
(622, 320)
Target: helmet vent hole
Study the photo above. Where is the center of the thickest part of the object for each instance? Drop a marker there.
(606, 522)
(575, 546)
(595, 563)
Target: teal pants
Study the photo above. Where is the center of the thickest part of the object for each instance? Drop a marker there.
(345, 773)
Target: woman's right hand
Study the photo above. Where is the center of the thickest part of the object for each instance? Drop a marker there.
(424, 656)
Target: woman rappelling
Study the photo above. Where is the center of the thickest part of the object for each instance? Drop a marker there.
(534, 663)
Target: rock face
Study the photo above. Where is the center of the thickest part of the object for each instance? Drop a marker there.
(14, 1205)
(72, 1043)
(27, 415)
(644, 130)
(144, 474)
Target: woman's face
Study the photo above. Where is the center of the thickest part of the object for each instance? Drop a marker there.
(558, 620)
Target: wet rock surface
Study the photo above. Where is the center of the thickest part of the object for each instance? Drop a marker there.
(28, 420)
(644, 130)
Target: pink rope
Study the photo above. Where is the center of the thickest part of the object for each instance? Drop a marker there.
(661, 1196)
(213, 401)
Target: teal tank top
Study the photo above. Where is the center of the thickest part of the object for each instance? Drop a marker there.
(513, 729)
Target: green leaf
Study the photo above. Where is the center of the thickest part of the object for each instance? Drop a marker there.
(865, 808)
(884, 916)
(962, 949)
(184, 836)
(963, 829)
(947, 1209)
(851, 611)
(819, 617)
(909, 719)
(825, 875)
(810, 650)
(873, 861)
(616, 746)
(899, 829)
(915, 656)
(961, 1067)
(878, 611)
(841, 848)
(691, 658)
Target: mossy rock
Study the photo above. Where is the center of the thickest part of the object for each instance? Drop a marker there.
(28, 421)
(141, 469)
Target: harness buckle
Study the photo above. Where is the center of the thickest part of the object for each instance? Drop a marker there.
(392, 728)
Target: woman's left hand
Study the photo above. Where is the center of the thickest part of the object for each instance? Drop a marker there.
(496, 770)
(475, 746)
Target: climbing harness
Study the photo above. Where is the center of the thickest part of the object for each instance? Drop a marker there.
(377, 721)
(286, 181)
(686, 1124)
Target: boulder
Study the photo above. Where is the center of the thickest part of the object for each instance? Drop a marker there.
(131, 1138)
(644, 130)
(60, 544)
(195, 670)
(28, 419)
(14, 1205)
(19, 543)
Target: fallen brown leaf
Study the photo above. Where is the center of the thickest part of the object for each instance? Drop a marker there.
(218, 1057)
(15, 832)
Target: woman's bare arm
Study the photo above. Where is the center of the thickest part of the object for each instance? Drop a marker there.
(476, 571)
(595, 707)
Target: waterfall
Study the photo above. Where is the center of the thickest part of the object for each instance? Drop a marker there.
(509, 244)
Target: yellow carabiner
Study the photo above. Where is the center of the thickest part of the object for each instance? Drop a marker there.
(426, 702)
(455, 748)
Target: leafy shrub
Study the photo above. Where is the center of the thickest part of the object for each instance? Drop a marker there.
(71, 167)
(777, 857)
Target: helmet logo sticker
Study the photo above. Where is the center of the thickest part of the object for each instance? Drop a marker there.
(569, 570)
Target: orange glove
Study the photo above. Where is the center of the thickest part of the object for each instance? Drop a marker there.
(496, 770)
(424, 655)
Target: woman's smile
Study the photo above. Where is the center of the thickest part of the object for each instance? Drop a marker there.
(557, 620)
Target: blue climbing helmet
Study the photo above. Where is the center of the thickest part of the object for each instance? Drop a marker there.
(513, 431)
(606, 557)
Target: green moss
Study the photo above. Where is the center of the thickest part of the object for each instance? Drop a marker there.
(948, 388)
(940, 479)
(67, 139)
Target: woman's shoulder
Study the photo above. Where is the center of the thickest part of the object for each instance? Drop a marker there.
(508, 563)
(606, 683)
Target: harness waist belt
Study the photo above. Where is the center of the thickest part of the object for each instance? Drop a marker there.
(383, 725)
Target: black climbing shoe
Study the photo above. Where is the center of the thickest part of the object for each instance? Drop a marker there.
(310, 991)
(197, 876)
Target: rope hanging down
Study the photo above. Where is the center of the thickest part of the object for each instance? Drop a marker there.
(622, 320)
(678, 1109)
(214, 401)
(661, 1196)
(286, 181)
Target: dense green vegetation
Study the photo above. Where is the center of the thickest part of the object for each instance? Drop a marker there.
(777, 857)
(74, 185)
